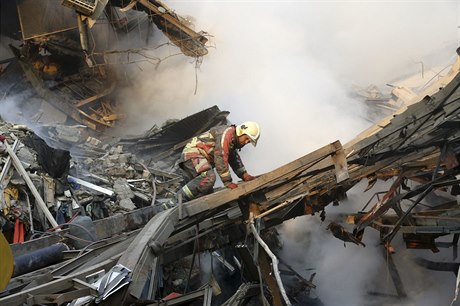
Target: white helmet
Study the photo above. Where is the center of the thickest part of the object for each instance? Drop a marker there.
(249, 128)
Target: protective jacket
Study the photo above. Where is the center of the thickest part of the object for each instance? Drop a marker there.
(216, 148)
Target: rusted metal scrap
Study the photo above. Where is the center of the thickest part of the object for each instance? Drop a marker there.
(339, 232)
(174, 27)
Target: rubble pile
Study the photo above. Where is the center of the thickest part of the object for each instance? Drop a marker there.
(98, 186)
(90, 175)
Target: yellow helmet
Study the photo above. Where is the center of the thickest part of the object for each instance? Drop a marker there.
(251, 129)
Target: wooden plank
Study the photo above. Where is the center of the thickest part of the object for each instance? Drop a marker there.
(340, 165)
(267, 274)
(306, 174)
(306, 182)
(95, 97)
(224, 196)
(274, 194)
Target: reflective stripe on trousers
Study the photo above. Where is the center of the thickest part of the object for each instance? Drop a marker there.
(201, 185)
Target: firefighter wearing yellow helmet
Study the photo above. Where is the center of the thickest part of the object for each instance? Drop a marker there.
(217, 148)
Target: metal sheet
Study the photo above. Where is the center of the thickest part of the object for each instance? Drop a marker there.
(44, 17)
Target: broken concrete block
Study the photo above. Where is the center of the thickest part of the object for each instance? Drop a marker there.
(124, 158)
(117, 171)
(127, 204)
(146, 174)
(68, 133)
(122, 189)
(27, 157)
(130, 172)
(116, 150)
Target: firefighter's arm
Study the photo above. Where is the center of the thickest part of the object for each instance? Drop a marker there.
(238, 167)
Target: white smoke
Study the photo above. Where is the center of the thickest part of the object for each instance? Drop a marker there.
(354, 275)
(289, 65)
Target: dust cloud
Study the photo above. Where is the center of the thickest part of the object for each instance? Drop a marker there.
(289, 66)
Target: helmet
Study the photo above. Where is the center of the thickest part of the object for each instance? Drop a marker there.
(249, 128)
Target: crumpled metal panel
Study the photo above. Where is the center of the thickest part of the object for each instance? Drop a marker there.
(86, 7)
(44, 17)
(173, 135)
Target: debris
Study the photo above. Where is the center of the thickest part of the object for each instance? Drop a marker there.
(138, 244)
(339, 232)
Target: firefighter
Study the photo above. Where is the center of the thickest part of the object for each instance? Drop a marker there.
(217, 148)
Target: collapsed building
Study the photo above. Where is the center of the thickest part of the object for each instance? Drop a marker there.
(134, 246)
(92, 222)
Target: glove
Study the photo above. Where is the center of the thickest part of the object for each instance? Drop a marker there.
(2, 138)
(248, 177)
(232, 186)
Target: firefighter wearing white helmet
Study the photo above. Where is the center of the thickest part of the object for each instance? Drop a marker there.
(251, 129)
(217, 148)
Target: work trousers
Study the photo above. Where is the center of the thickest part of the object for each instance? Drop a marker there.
(197, 184)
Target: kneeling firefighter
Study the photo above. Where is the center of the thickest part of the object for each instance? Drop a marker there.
(216, 148)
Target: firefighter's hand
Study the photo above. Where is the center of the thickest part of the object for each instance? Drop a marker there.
(2, 138)
(232, 186)
(248, 177)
